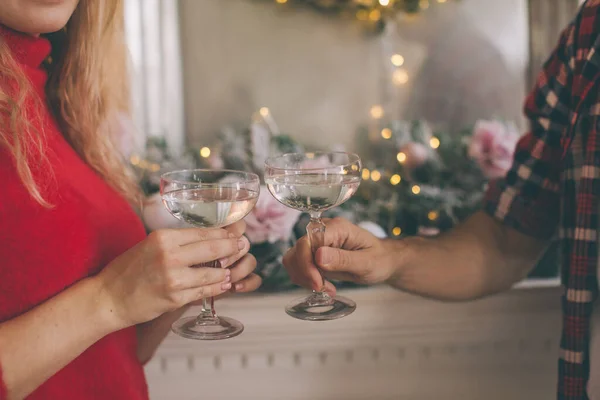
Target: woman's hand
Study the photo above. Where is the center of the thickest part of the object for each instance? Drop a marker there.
(155, 277)
(243, 278)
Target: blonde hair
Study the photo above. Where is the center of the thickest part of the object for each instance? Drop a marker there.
(87, 90)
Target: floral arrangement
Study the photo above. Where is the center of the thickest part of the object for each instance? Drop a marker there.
(415, 182)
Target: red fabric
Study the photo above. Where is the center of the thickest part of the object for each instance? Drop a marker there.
(43, 251)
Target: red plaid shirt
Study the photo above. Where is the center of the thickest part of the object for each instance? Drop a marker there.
(553, 188)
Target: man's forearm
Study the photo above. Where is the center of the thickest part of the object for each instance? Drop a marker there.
(478, 258)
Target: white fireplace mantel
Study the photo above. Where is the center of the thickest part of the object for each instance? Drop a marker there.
(395, 346)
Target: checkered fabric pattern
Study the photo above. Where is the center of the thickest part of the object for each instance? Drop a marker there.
(552, 189)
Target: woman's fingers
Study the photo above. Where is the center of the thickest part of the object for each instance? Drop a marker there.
(248, 284)
(192, 296)
(210, 250)
(237, 229)
(194, 278)
(185, 236)
(229, 261)
(244, 267)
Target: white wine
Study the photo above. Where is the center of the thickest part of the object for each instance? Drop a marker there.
(210, 207)
(312, 191)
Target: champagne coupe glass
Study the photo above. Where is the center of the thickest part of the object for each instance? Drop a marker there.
(314, 183)
(209, 199)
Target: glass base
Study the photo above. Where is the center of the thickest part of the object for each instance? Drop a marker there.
(320, 307)
(217, 328)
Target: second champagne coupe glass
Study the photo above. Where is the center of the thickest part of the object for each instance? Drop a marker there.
(314, 183)
(209, 199)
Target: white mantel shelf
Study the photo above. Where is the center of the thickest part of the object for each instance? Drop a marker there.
(395, 346)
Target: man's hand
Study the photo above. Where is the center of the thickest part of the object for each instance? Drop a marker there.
(349, 253)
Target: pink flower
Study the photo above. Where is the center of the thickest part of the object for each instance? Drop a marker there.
(416, 154)
(492, 146)
(215, 161)
(270, 221)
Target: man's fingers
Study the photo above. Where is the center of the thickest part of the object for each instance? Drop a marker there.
(300, 266)
(338, 260)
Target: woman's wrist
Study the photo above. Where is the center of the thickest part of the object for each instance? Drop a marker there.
(103, 306)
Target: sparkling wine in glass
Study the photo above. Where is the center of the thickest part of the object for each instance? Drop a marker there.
(209, 199)
(314, 183)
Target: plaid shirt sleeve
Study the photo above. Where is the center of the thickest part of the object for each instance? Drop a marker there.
(527, 198)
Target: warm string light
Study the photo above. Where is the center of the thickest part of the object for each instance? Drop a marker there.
(264, 111)
(416, 189)
(377, 111)
(134, 159)
(375, 15)
(384, 3)
(375, 176)
(395, 179)
(400, 77)
(397, 60)
(366, 174)
(433, 215)
(401, 157)
(139, 162)
(434, 142)
(397, 231)
(386, 133)
(281, 1)
(205, 152)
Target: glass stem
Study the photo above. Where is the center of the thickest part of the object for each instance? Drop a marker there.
(316, 237)
(208, 309)
(208, 315)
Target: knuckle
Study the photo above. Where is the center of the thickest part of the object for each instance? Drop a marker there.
(201, 235)
(204, 279)
(173, 284)
(160, 239)
(163, 259)
(343, 259)
(205, 292)
(339, 221)
(241, 226)
(175, 299)
(213, 249)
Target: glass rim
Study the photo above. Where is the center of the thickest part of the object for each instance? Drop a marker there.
(249, 176)
(350, 155)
